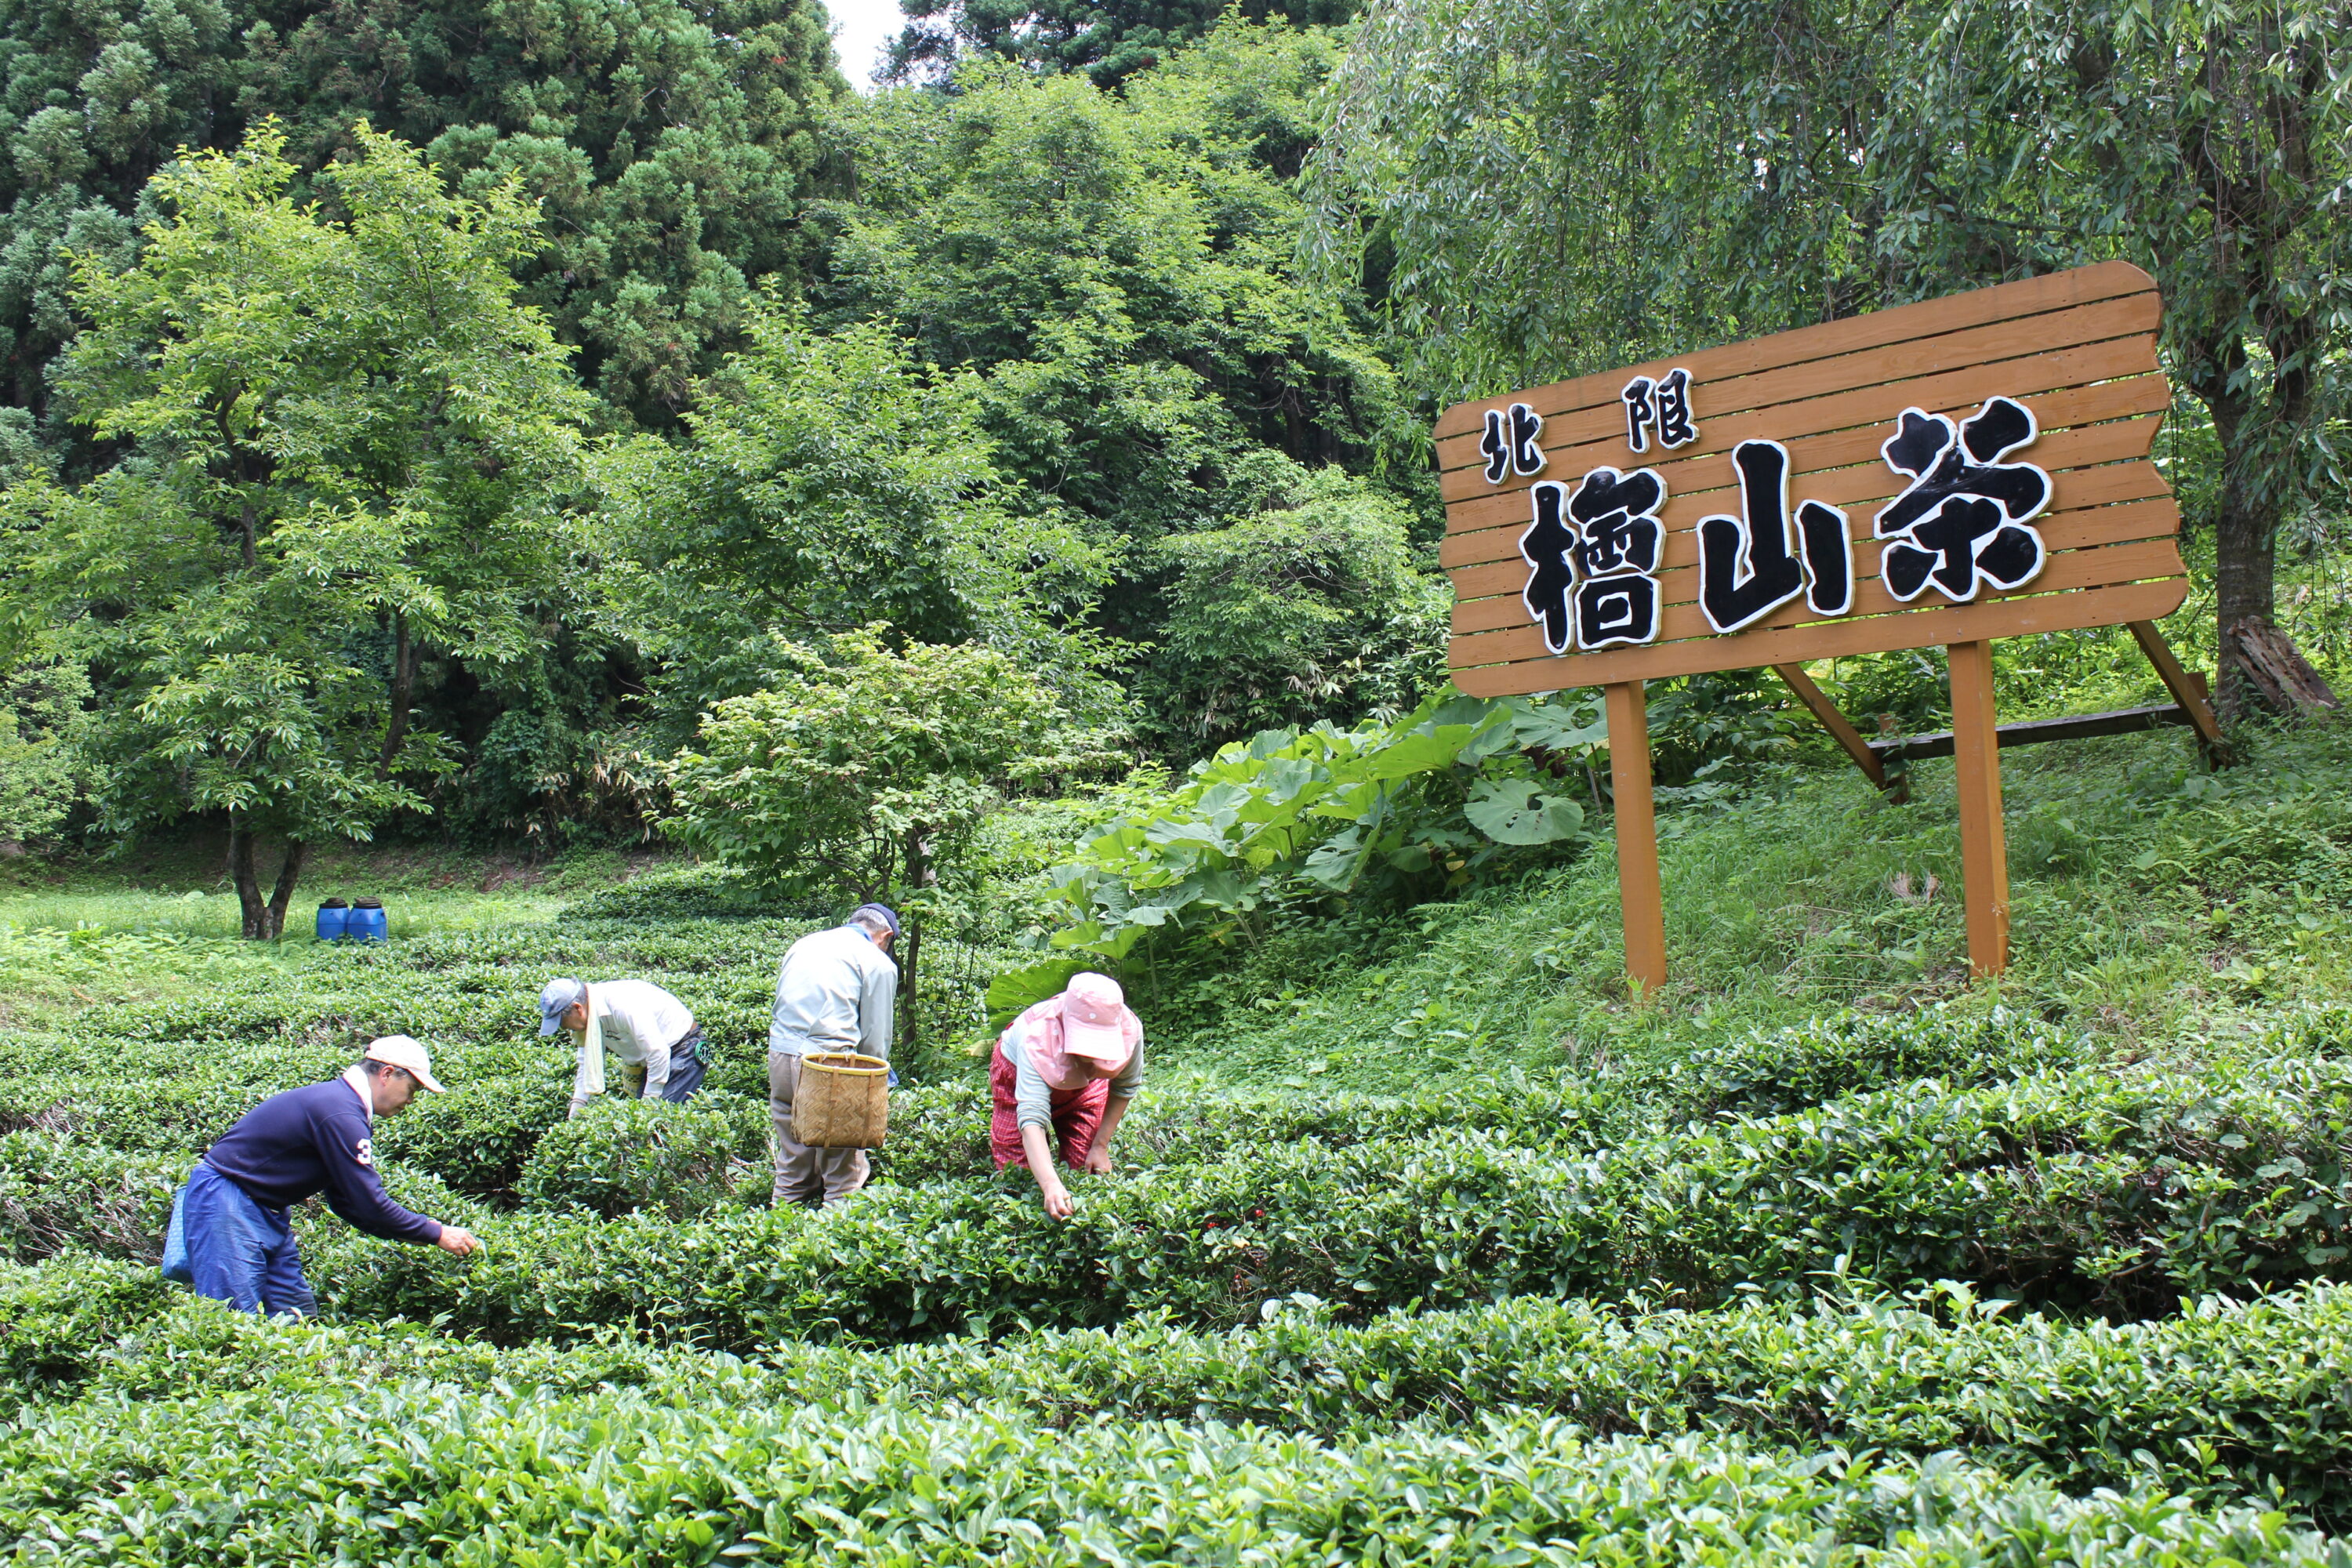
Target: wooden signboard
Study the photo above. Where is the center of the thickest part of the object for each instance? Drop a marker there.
(1936, 474)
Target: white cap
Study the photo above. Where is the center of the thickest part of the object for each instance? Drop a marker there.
(400, 1051)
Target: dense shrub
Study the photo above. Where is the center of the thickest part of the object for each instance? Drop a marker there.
(415, 1471)
(1770, 1072)
(626, 1156)
(477, 1135)
(705, 891)
(2222, 1399)
(57, 1194)
(2121, 1195)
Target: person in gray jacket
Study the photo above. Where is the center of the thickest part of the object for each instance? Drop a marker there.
(836, 991)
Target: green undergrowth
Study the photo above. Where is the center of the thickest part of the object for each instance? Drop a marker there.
(2148, 897)
(410, 1471)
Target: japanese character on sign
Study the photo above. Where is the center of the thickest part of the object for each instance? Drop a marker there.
(1592, 554)
(1546, 544)
(1661, 405)
(1962, 521)
(1746, 569)
(1509, 444)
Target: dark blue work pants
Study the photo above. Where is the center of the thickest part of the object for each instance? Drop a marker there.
(240, 1251)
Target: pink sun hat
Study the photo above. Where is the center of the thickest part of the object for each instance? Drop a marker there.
(1095, 1020)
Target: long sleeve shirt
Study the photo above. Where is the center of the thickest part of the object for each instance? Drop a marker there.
(638, 1022)
(318, 1138)
(835, 991)
(1032, 1096)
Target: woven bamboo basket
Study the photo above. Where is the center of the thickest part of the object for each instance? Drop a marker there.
(843, 1101)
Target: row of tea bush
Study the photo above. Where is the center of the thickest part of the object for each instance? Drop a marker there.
(2223, 1400)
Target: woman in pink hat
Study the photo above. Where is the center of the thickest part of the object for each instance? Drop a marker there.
(1068, 1065)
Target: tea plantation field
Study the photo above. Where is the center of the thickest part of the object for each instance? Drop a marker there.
(1447, 1252)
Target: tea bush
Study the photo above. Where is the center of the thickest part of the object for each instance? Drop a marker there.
(417, 1472)
(2118, 1194)
(623, 1157)
(2223, 1400)
(56, 1195)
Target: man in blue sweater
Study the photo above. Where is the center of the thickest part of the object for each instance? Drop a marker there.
(230, 1219)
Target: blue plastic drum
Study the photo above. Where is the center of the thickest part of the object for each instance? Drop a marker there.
(366, 925)
(332, 920)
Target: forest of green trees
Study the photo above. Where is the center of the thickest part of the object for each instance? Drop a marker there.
(429, 416)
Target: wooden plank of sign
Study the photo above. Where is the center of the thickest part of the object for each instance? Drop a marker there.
(2186, 691)
(1840, 729)
(2028, 379)
(2153, 522)
(2022, 616)
(1860, 492)
(1850, 456)
(2033, 732)
(2068, 408)
(2032, 296)
(2135, 316)
(2155, 517)
(2141, 560)
(2081, 494)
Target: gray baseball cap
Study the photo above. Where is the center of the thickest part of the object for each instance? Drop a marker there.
(560, 997)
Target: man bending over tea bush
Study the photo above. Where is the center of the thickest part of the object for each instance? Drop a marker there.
(1064, 1070)
(656, 1039)
(230, 1238)
(836, 991)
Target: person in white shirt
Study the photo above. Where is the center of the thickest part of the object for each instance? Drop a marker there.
(647, 1028)
(836, 991)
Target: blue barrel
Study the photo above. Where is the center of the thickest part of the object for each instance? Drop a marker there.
(367, 924)
(332, 920)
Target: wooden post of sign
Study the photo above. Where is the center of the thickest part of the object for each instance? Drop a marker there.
(1638, 893)
(1984, 846)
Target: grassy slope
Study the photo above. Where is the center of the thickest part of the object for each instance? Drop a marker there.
(2150, 899)
(160, 920)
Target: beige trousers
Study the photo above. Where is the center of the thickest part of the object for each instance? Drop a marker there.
(806, 1174)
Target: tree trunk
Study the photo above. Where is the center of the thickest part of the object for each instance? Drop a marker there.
(2261, 668)
(248, 885)
(921, 874)
(404, 689)
(289, 871)
(263, 920)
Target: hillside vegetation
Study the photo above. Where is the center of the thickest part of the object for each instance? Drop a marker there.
(1437, 1246)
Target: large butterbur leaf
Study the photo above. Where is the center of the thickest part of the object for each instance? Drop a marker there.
(1010, 994)
(1517, 811)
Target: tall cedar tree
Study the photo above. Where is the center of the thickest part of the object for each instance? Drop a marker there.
(669, 143)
